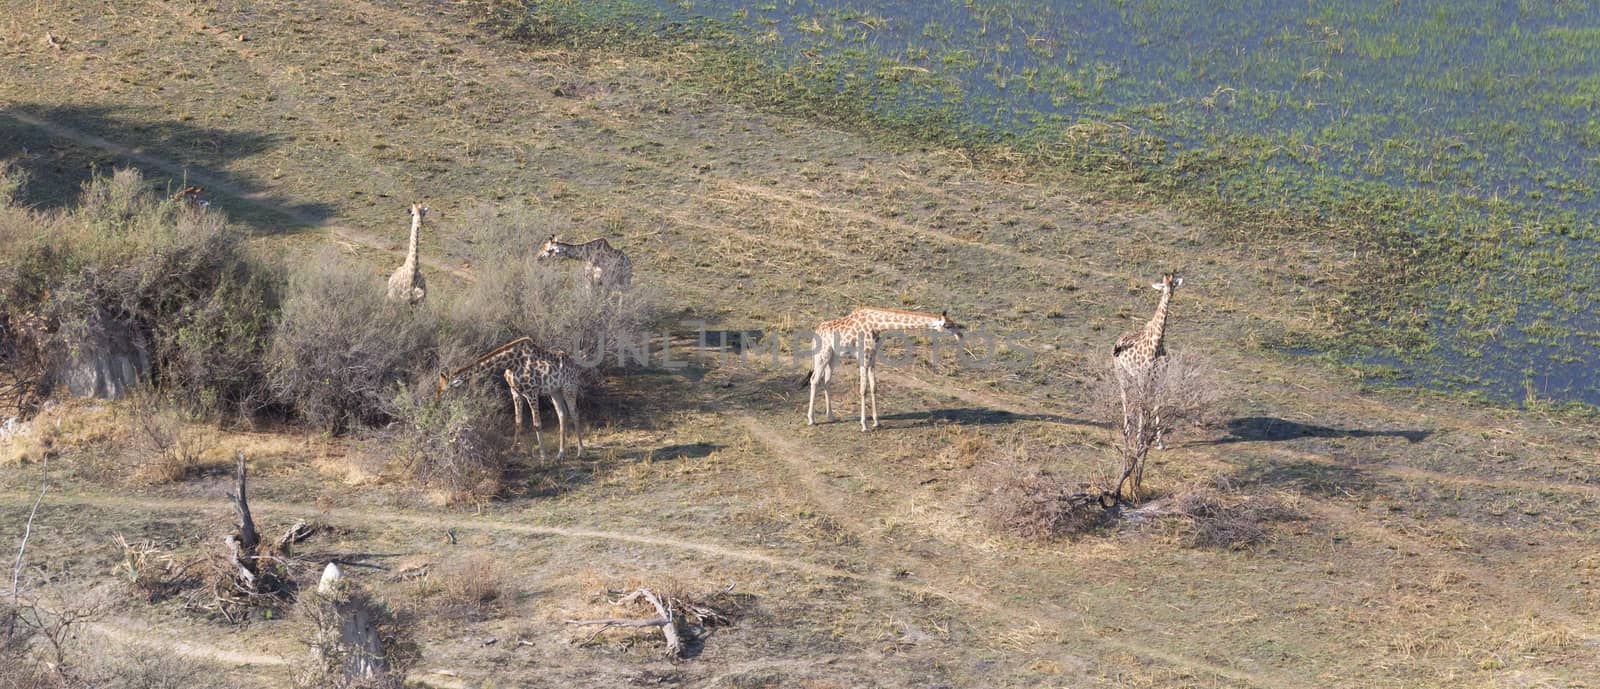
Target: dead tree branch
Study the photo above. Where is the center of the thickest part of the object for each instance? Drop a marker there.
(16, 570)
(664, 619)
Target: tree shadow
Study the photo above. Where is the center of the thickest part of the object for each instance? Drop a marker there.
(976, 416)
(1271, 429)
(61, 148)
(684, 451)
(1305, 476)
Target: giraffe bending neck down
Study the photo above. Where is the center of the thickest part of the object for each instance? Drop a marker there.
(530, 371)
(603, 265)
(406, 283)
(1141, 355)
(190, 197)
(857, 335)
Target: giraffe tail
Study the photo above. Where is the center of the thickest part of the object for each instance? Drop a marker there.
(807, 379)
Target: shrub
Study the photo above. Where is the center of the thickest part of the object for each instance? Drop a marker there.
(471, 585)
(549, 301)
(180, 283)
(340, 348)
(446, 445)
(1017, 497)
(1141, 410)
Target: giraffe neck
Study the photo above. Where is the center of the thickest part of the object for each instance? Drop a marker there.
(881, 320)
(586, 251)
(411, 252)
(495, 359)
(1157, 327)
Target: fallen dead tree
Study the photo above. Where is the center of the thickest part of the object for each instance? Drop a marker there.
(678, 617)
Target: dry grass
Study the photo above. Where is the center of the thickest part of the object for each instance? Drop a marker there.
(1219, 516)
(1018, 497)
(68, 426)
(471, 585)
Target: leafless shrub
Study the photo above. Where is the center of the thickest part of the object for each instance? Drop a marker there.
(447, 445)
(1143, 409)
(145, 569)
(341, 628)
(1017, 497)
(1220, 517)
(340, 347)
(162, 451)
(140, 666)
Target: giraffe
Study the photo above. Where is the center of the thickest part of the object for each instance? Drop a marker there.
(190, 197)
(530, 371)
(1141, 356)
(857, 335)
(406, 283)
(602, 264)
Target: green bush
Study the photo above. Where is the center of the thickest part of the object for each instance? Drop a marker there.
(179, 279)
(447, 444)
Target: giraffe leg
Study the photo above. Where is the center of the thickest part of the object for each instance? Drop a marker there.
(872, 384)
(516, 407)
(827, 379)
(571, 398)
(538, 435)
(819, 376)
(811, 407)
(863, 389)
(559, 401)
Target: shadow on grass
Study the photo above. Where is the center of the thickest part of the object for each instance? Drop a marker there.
(1271, 429)
(528, 477)
(61, 148)
(684, 451)
(1314, 478)
(974, 416)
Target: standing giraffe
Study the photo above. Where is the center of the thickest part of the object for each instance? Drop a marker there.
(602, 264)
(530, 371)
(406, 284)
(1141, 356)
(857, 335)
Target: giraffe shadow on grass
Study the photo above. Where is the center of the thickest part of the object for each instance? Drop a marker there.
(977, 416)
(532, 478)
(1270, 429)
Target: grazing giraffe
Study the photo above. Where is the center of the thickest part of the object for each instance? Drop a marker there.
(602, 264)
(530, 371)
(406, 283)
(190, 197)
(1141, 356)
(857, 335)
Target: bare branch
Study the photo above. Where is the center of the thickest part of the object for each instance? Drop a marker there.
(16, 571)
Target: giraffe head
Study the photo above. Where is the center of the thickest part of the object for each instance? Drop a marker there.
(552, 248)
(418, 211)
(1169, 282)
(190, 196)
(446, 383)
(946, 325)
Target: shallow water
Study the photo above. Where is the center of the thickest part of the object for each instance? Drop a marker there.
(1488, 108)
